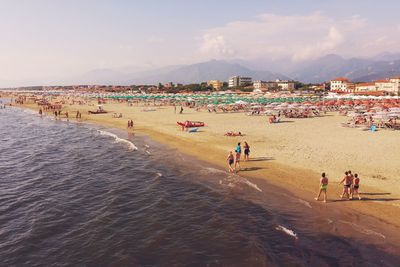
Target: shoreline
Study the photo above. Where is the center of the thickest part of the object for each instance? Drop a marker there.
(295, 180)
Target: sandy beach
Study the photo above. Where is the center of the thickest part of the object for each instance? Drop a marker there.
(291, 154)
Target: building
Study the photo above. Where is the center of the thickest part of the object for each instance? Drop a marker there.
(384, 85)
(285, 85)
(260, 85)
(169, 85)
(216, 84)
(396, 85)
(236, 81)
(342, 84)
(365, 87)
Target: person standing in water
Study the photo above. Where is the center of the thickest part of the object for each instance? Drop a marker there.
(323, 185)
(246, 150)
(238, 151)
(230, 160)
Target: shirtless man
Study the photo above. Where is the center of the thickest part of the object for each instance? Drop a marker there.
(346, 181)
(323, 184)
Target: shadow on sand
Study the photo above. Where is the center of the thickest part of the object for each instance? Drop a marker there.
(375, 194)
(249, 169)
(262, 159)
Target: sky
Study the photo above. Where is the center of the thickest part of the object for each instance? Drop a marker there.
(55, 39)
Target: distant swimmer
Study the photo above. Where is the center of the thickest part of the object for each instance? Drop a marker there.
(323, 185)
(40, 112)
(231, 160)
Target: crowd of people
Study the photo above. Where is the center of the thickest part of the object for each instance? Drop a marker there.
(351, 185)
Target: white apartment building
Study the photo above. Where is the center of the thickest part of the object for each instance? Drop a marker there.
(396, 85)
(365, 87)
(341, 84)
(236, 81)
(283, 85)
(384, 85)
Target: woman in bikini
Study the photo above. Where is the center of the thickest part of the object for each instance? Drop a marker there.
(323, 185)
(231, 160)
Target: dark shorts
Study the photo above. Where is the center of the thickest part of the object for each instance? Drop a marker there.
(356, 186)
(246, 151)
(230, 161)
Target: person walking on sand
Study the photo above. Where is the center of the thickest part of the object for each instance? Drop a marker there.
(230, 160)
(346, 181)
(246, 150)
(180, 112)
(323, 185)
(238, 151)
(351, 183)
(356, 186)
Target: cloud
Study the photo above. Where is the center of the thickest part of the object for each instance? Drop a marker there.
(215, 46)
(299, 37)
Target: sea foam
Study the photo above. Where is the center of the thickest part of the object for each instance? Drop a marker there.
(287, 231)
(130, 145)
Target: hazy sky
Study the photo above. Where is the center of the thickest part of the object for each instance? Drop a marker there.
(61, 38)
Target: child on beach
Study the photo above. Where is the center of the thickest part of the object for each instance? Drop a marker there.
(346, 181)
(356, 186)
(230, 160)
(323, 185)
(238, 151)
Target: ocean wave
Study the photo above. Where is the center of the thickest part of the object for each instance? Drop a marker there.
(305, 203)
(287, 231)
(233, 180)
(209, 170)
(130, 145)
(363, 230)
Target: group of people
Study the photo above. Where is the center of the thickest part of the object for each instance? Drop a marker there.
(351, 185)
(234, 159)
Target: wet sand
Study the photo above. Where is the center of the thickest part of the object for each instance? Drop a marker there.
(290, 155)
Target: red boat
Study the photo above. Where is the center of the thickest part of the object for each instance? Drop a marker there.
(191, 124)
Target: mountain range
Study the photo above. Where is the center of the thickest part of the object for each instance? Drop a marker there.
(312, 71)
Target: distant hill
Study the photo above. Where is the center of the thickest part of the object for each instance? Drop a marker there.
(356, 69)
(194, 73)
(314, 71)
